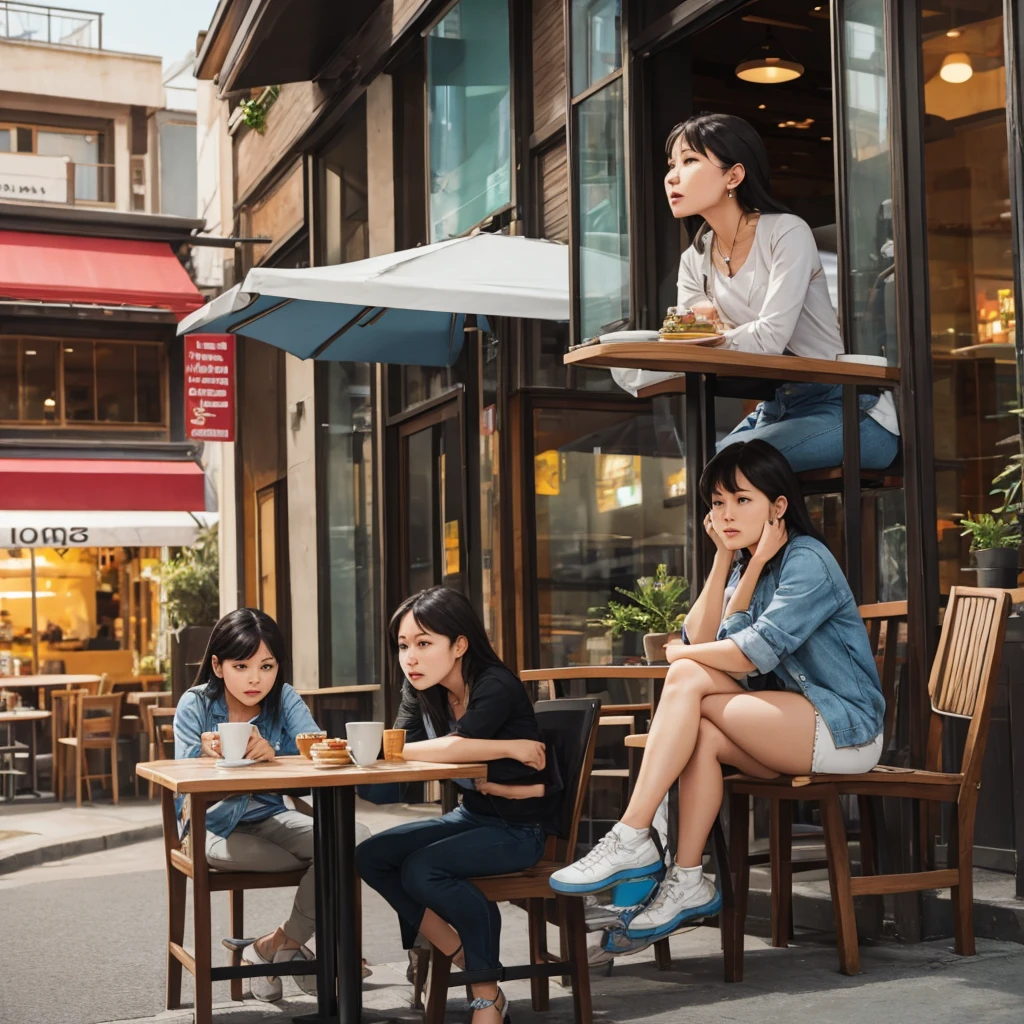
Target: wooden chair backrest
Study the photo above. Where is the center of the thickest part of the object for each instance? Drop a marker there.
(161, 720)
(99, 717)
(63, 712)
(883, 623)
(965, 670)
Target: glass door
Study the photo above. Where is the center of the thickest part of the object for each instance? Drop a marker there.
(432, 531)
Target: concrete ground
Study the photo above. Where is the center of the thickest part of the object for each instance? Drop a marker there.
(82, 943)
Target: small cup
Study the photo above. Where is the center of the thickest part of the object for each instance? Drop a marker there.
(364, 739)
(305, 740)
(234, 738)
(394, 744)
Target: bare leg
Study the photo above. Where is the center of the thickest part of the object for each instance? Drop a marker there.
(270, 943)
(673, 735)
(440, 933)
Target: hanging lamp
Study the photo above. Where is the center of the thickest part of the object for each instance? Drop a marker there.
(772, 65)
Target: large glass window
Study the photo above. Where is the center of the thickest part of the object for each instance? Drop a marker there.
(469, 116)
(351, 533)
(610, 498)
(970, 262)
(345, 208)
(604, 229)
(871, 321)
(596, 41)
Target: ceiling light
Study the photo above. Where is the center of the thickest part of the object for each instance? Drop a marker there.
(826, 138)
(50, 403)
(953, 33)
(772, 64)
(762, 106)
(956, 69)
(69, 350)
(30, 351)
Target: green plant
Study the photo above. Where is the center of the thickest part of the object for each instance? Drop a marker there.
(658, 605)
(988, 531)
(191, 583)
(254, 111)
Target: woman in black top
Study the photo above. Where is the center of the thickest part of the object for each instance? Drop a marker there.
(461, 704)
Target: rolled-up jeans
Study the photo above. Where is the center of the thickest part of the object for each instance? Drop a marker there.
(805, 423)
(425, 865)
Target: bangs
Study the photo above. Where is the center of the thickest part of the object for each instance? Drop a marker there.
(721, 477)
(694, 133)
(243, 645)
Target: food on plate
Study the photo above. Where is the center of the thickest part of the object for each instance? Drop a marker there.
(684, 322)
(331, 751)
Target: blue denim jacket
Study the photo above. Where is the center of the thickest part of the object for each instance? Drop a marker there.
(197, 714)
(803, 625)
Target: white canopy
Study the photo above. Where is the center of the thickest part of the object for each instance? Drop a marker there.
(102, 529)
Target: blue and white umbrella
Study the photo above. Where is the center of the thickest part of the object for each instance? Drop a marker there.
(404, 307)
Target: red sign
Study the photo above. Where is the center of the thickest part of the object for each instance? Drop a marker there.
(210, 387)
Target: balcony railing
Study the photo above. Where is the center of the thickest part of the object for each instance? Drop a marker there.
(55, 179)
(40, 23)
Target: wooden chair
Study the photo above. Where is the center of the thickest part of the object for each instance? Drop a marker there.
(146, 703)
(63, 719)
(186, 862)
(883, 623)
(961, 685)
(97, 725)
(570, 727)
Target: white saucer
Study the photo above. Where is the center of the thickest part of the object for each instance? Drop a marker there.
(243, 763)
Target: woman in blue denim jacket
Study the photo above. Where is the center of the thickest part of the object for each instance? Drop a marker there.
(774, 674)
(245, 677)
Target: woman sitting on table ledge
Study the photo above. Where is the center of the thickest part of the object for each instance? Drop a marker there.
(246, 677)
(756, 267)
(461, 704)
(773, 674)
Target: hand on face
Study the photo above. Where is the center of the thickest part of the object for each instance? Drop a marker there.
(709, 529)
(773, 539)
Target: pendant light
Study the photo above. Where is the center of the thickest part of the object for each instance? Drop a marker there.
(956, 69)
(772, 64)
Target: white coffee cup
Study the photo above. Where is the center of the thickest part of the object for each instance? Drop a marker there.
(364, 739)
(234, 738)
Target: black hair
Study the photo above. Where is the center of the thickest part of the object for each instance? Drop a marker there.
(446, 612)
(769, 471)
(237, 637)
(729, 140)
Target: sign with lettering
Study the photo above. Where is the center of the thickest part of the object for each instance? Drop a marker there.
(38, 179)
(210, 387)
(92, 529)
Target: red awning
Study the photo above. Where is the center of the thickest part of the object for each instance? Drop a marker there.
(98, 271)
(106, 485)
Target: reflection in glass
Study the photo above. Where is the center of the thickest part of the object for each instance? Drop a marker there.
(596, 41)
(610, 499)
(8, 379)
(421, 528)
(148, 384)
(39, 362)
(79, 382)
(351, 535)
(115, 383)
(469, 116)
(973, 323)
(869, 243)
(490, 488)
(346, 228)
(604, 228)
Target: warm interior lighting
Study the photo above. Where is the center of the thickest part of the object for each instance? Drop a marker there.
(953, 33)
(762, 106)
(956, 69)
(30, 351)
(50, 403)
(772, 65)
(25, 594)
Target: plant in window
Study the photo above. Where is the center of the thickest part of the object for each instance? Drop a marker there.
(191, 583)
(657, 609)
(254, 111)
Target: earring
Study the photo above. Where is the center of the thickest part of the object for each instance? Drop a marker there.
(730, 193)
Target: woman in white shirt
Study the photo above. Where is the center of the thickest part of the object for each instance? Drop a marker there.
(757, 266)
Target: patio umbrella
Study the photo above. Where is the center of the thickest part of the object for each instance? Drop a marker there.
(404, 307)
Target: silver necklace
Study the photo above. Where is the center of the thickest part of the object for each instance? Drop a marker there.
(727, 260)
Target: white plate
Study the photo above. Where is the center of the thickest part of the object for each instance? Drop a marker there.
(867, 360)
(628, 336)
(243, 763)
(330, 767)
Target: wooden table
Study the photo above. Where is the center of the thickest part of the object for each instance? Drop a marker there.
(11, 746)
(338, 965)
(50, 682)
(702, 368)
(581, 673)
(135, 697)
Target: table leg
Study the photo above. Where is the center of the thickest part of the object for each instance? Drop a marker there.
(694, 457)
(32, 751)
(350, 981)
(851, 490)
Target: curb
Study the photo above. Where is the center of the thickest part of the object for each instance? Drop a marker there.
(76, 847)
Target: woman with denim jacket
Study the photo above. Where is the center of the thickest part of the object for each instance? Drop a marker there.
(246, 677)
(461, 704)
(774, 674)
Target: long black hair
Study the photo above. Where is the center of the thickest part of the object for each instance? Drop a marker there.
(728, 140)
(237, 637)
(769, 471)
(446, 612)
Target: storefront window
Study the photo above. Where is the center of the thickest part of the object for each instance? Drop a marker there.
(871, 320)
(351, 534)
(345, 206)
(604, 228)
(490, 487)
(469, 116)
(973, 327)
(596, 41)
(610, 498)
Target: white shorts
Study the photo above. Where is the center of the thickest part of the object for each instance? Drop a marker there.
(829, 758)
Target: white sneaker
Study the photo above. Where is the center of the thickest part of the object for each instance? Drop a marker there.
(307, 982)
(677, 901)
(266, 990)
(623, 853)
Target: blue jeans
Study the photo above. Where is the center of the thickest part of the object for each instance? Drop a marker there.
(425, 865)
(805, 423)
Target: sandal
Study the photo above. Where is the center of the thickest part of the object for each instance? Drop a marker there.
(499, 1002)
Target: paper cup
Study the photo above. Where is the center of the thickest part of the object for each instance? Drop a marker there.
(394, 744)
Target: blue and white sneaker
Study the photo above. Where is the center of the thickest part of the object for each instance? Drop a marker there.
(622, 854)
(677, 902)
(617, 942)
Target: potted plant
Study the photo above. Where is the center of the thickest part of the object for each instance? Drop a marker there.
(657, 608)
(995, 540)
(191, 596)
